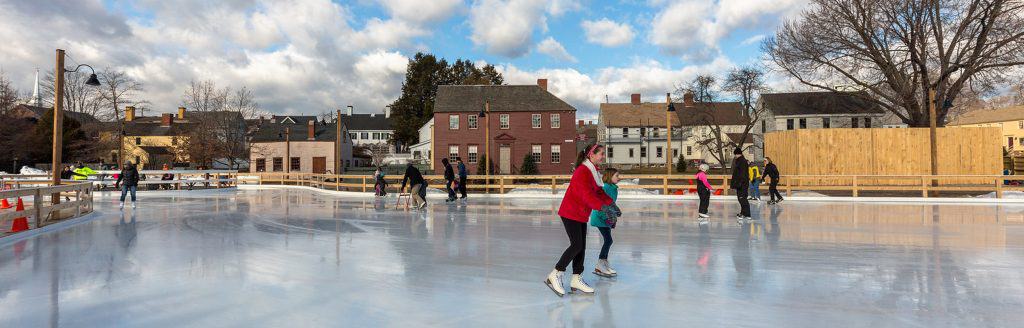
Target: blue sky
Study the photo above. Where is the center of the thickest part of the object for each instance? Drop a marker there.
(310, 56)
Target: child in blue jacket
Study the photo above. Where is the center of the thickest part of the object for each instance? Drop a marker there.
(610, 177)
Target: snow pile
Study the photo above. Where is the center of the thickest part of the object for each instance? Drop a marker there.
(634, 192)
(1006, 194)
(31, 170)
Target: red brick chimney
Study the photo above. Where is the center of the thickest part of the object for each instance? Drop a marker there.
(634, 99)
(166, 119)
(543, 84)
(311, 131)
(688, 99)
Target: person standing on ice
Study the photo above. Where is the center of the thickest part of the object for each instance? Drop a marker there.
(583, 195)
(704, 191)
(417, 186)
(755, 182)
(449, 180)
(772, 172)
(740, 182)
(463, 176)
(129, 181)
(605, 224)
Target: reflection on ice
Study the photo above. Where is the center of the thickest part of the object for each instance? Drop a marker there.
(283, 257)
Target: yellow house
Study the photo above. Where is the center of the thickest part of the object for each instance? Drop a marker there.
(150, 141)
(1010, 120)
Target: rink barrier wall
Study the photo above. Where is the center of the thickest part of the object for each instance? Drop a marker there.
(73, 200)
(927, 186)
(105, 178)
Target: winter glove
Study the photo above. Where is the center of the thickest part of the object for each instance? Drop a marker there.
(611, 211)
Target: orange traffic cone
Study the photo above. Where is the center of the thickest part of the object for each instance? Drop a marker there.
(4, 204)
(21, 223)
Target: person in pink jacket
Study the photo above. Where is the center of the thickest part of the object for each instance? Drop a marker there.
(704, 191)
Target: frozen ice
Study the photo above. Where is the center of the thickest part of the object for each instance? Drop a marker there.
(301, 258)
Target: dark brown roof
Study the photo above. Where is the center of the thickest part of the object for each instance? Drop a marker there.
(818, 103)
(152, 125)
(653, 114)
(37, 113)
(502, 98)
(367, 121)
(735, 137)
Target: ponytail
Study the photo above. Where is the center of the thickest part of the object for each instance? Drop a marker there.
(585, 153)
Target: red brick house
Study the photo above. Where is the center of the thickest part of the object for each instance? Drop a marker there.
(524, 119)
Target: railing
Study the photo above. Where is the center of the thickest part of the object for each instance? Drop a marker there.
(854, 185)
(153, 178)
(74, 200)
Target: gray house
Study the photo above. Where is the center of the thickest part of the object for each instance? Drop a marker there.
(818, 110)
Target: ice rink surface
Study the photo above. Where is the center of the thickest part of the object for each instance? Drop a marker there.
(299, 258)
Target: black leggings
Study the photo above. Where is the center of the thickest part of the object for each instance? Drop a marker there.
(705, 200)
(773, 190)
(577, 232)
(741, 196)
(606, 234)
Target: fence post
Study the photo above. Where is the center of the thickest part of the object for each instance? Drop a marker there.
(999, 188)
(553, 185)
(855, 186)
(501, 183)
(37, 202)
(924, 186)
(364, 183)
(664, 185)
(789, 187)
(725, 186)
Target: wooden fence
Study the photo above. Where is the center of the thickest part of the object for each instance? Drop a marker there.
(74, 200)
(853, 185)
(103, 179)
(964, 152)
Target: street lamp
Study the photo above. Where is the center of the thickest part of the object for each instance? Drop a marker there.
(58, 115)
(487, 144)
(668, 124)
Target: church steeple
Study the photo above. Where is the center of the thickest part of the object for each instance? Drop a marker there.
(37, 99)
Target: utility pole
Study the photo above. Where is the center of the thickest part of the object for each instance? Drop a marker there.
(932, 122)
(337, 143)
(287, 151)
(58, 122)
(668, 124)
(487, 144)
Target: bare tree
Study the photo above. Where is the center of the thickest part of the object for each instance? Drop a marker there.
(78, 96)
(8, 95)
(204, 96)
(746, 84)
(119, 90)
(898, 50)
(714, 122)
(378, 152)
(243, 102)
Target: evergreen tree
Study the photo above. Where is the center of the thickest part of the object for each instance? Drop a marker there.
(681, 164)
(528, 167)
(481, 165)
(75, 143)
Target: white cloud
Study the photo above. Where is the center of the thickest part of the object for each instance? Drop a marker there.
(608, 33)
(506, 27)
(419, 11)
(753, 40)
(555, 50)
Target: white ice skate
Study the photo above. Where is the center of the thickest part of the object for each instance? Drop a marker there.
(702, 218)
(121, 206)
(603, 269)
(554, 281)
(578, 285)
(133, 205)
(740, 219)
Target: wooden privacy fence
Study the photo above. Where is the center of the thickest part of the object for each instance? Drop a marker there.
(970, 154)
(74, 200)
(674, 184)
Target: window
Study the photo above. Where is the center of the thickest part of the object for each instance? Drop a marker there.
(296, 164)
(1009, 142)
(625, 132)
(364, 136)
(376, 136)
(689, 150)
(803, 123)
(853, 123)
(631, 153)
(556, 153)
(657, 151)
(675, 153)
(654, 132)
(261, 165)
(472, 153)
(789, 124)
(764, 126)
(643, 132)
(867, 122)
(826, 123)
(611, 152)
(1020, 124)
(352, 135)
(503, 121)
(278, 164)
(535, 121)
(453, 122)
(643, 152)
(472, 120)
(138, 141)
(556, 121)
(453, 152)
(536, 153)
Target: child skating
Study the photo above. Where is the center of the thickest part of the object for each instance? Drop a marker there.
(704, 191)
(605, 224)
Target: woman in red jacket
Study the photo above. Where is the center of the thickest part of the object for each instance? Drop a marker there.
(584, 194)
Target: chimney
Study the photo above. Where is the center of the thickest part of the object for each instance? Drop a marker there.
(387, 111)
(634, 99)
(129, 113)
(181, 113)
(582, 123)
(348, 111)
(311, 129)
(543, 84)
(688, 99)
(166, 119)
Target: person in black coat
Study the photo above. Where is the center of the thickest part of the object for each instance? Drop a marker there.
(772, 172)
(449, 178)
(417, 185)
(129, 181)
(741, 182)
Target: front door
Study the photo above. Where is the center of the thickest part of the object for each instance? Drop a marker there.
(505, 159)
(320, 165)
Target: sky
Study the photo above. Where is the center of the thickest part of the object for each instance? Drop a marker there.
(311, 56)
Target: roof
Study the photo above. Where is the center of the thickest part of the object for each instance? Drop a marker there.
(152, 125)
(275, 132)
(154, 129)
(296, 119)
(357, 122)
(735, 138)
(37, 112)
(653, 114)
(818, 103)
(979, 116)
(502, 98)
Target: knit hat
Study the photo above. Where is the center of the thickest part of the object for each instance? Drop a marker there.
(738, 151)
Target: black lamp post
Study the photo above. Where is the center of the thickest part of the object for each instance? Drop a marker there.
(58, 114)
(668, 124)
